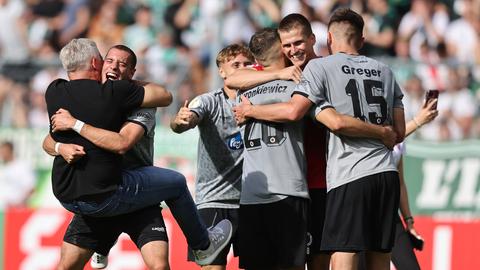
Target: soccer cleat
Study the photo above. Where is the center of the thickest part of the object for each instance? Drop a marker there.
(98, 261)
(219, 236)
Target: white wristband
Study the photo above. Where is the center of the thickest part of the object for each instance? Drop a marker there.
(57, 145)
(78, 126)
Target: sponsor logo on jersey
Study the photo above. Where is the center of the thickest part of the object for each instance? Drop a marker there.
(235, 141)
(144, 115)
(160, 229)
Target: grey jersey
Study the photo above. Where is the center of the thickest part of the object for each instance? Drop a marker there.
(274, 165)
(141, 154)
(220, 148)
(361, 87)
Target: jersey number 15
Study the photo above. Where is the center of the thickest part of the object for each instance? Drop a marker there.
(369, 85)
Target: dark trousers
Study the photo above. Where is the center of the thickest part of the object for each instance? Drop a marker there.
(403, 256)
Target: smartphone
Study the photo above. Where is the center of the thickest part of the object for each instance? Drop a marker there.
(431, 94)
(417, 243)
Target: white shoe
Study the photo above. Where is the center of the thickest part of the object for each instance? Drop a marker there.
(219, 237)
(98, 261)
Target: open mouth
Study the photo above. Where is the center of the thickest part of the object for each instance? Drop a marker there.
(112, 76)
(297, 56)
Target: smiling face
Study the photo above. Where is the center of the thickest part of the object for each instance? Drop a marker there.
(297, 47)
(237, 62)
(117, 65)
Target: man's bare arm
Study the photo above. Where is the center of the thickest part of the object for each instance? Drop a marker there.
(292, 110)
(298, 106)
(184, 120)
(115, 142)
(424, 116)
(349, 126)
(247, 78)
(69, 151)
(155, 95)
(399, 123)
(49, 145)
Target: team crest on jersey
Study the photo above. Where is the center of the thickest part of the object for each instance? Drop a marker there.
(195, 103)
(235, 141)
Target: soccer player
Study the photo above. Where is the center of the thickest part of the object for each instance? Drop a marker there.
(274, 195)
(297, 45)
(220, 148)
(362, 181)
(148, 185)
(403, 256)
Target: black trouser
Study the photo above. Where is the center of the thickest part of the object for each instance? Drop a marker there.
(403, 256)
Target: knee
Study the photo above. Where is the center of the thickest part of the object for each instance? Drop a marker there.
(158, 265)
(180, 179)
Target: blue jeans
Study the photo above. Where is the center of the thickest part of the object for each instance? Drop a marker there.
(148, 186)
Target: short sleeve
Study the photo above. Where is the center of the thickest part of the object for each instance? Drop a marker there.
(397, 94)
(313, 84)
(145, 117)
(201, 106)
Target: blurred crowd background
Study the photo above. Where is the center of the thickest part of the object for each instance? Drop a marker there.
(429, 45)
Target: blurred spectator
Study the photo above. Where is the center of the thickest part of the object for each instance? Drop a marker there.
(14, 49)
(163, 59)
(158, 9)
(414, 96)
(461, 36)
(43, 17)
(13, 101)
(140, 35)
(402, 65)
(15, 64)
(263, 13)
(196, 24)
(72, 22)
(379, 31)
(424, 25)
(176, 39)
(457, 107)
(38, 115)
(104, 29)
(235, 15)
(16, 177)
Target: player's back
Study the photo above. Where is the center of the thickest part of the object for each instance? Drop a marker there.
(274, 163)
(364, 88)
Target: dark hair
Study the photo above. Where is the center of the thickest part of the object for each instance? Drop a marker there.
(346, 15)
(294, 20)
(262, 42)
(132, 57)
(232, 51)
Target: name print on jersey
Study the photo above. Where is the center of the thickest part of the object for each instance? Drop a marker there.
(266, 90)
(361, 71)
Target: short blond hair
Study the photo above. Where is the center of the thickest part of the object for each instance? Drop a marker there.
(232, 51)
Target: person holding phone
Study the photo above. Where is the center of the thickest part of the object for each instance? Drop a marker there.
(457, 107)
(431, 94)
(406, 237)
